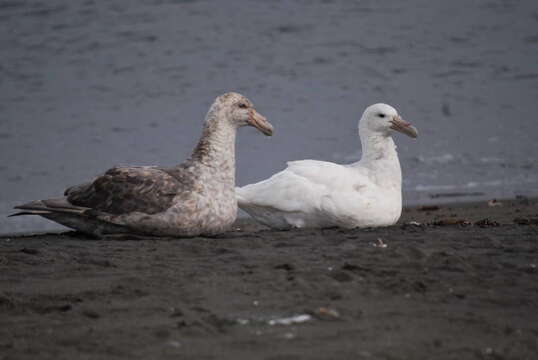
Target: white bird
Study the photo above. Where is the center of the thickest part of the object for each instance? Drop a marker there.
(319, 194)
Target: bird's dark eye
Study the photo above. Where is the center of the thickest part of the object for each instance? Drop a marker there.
(381, 115)
(242, 105)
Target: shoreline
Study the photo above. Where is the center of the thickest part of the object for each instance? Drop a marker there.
(463, 288)
(498, 210)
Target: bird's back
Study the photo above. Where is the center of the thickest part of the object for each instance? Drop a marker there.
(310, 193)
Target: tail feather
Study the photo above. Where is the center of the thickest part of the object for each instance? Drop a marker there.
(31, 212)
(86, 220)
(41, 207)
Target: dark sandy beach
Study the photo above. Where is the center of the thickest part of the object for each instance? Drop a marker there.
(456, 286)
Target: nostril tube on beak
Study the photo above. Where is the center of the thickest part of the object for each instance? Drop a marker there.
(403, 126)
(260, 122)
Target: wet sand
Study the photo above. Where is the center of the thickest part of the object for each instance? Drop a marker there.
(454, 286)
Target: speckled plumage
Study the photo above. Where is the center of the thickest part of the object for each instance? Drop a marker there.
(194, 198)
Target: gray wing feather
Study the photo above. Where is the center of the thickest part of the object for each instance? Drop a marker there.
(123, 190)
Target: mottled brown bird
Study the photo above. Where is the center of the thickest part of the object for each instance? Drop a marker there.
(194, 198)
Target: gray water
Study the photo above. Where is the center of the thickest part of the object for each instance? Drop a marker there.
(85, 85)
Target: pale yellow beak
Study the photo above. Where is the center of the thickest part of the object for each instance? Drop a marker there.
(260, 122)
(404, 127)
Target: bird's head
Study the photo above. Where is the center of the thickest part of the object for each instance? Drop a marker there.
(239, 111)
(384, 119)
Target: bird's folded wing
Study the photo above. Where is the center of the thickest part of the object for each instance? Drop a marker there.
(123, 190)
(303, 186)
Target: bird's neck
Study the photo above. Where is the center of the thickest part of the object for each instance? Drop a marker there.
(216, 148)
(379, 154)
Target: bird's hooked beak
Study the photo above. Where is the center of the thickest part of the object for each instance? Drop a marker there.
(399, 124)
(260, 122)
